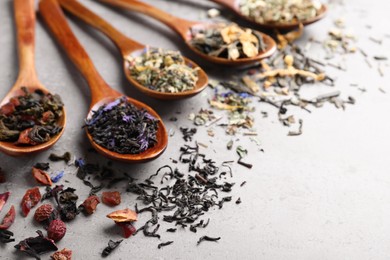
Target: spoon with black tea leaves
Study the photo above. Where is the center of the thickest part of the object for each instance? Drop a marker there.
(234, 5)
(183, 28)
(131, 48)
(27, 78)
(101, 93)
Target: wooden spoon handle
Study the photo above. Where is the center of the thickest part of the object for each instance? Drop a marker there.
(124, 44)
(55, 19)
(179, 25)
(227, 3)
(25, 25)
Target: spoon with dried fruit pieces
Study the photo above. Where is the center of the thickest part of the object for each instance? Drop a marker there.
(101, 93)
(36, 136)
(235, 6)
(131, 49)
(248, 46)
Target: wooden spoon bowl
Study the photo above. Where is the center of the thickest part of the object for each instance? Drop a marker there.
(183, 28)
(130, 48)
(100, 91)
(25, 24)
(234, 5)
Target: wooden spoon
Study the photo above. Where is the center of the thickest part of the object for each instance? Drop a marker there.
(234, 5)
(101, 93)
(25, 24)
(183, 28)
(129, 47)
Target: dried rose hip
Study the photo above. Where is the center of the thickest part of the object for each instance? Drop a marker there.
(64, 254)
(8, 219)
(41, 176)
(30, 199)
(111, 198)
(43, 212)
(90, 204)
(56, 230)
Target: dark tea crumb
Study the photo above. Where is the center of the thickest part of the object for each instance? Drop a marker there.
(164, 244)
(207, 238)
(123, 128)
(111, 246)
(6, 236)
(66, 157)
(34, 246)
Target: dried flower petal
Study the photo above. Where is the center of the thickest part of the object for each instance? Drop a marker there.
(90, 204)
(64, 254)
(8, 219)
(3, 199)
(30, 199)
(41, 176)
(111, 198)
(124, 215)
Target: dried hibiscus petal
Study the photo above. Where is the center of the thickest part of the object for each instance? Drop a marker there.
(30, 199)
(24, 137)
(34, 246)
(8, 219)
(41, 177)
(124, 215)
(111, 198)
(128, 228)
(90, 204)
(64, 254)
(3, 199)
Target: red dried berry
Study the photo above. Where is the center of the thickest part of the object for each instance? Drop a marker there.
(64, 254)
(43, 212)
(56, 230)
(128, 228)
(111, 198)
(30, 199)
(90, 204)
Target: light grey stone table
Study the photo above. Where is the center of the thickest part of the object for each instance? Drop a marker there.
(322, 195)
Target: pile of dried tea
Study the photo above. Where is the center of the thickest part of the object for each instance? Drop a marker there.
(30, 119)
(279, 11)
(228, 41)
(123, 128)
(163, 71)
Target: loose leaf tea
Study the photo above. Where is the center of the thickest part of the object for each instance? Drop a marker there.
(30, 119)
(279, 11)
(163, 71)
(123, 128)
(228, 41)
(6, 236)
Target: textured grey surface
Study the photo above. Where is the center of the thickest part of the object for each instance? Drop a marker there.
(322, 195)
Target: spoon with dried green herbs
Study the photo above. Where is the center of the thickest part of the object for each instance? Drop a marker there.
(227, 44)
(277, 14)
(31, 118)
(117, 126)
(162, 74)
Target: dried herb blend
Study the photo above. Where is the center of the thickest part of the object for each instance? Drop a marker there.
(228, 41)
(30, 119)
(163, 71)
(279, 11)
(121, 127)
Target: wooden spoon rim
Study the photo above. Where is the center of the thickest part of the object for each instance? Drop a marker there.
(271, 48)
(286, 26)
(147, 155)
(201, 84)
